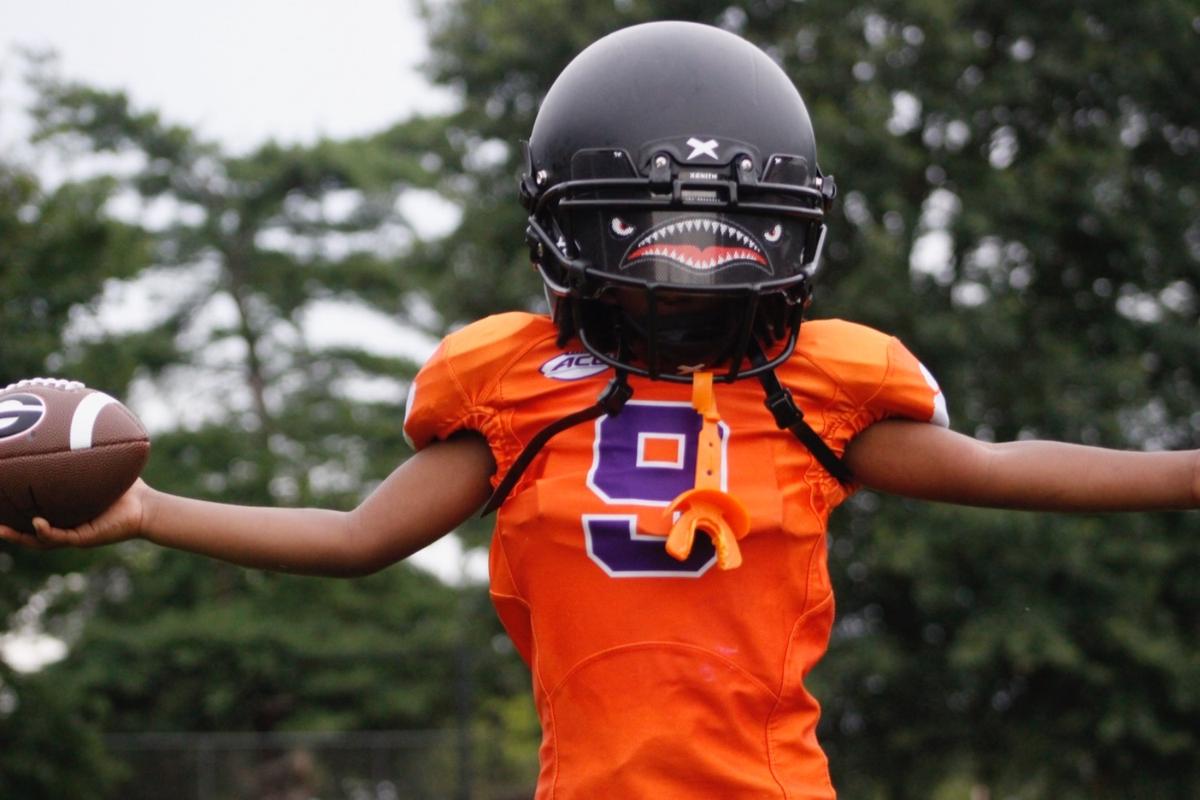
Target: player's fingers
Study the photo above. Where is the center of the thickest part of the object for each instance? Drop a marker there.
(47, 534)
(83, 536)
(7, 534)
(63, 537)
(30, 541)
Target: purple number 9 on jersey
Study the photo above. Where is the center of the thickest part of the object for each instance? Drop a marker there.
(645, 456)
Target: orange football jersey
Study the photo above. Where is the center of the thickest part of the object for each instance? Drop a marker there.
(654, 677)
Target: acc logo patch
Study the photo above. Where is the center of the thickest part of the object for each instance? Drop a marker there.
(573, 366)
(20, 413)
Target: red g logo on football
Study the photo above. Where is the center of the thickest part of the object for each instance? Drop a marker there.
(20, 413)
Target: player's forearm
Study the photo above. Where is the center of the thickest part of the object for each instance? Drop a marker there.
(1065, 477)
(929, 462)
(300, 540)
(423, 499)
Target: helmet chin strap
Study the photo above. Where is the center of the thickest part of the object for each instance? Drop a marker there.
(706, 507)
(614, 397)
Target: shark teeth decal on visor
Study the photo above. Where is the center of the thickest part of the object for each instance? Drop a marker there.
(698, 244)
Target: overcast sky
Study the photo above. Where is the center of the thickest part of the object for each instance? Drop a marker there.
(241, 71)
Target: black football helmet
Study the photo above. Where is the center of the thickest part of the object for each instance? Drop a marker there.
(676, 210)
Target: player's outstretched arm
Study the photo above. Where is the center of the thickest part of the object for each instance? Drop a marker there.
(932, 463)
(422, 500)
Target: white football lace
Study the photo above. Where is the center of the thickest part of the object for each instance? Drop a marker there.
(51, 383)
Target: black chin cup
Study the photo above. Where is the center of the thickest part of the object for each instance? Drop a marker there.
(683, 339)
(680, 342)
(664, 343)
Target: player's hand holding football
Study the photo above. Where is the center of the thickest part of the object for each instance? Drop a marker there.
(68, 454)
(123, 520)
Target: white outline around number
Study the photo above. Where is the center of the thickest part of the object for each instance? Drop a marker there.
(631, 521)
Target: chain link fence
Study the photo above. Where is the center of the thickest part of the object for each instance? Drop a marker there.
(364, 765)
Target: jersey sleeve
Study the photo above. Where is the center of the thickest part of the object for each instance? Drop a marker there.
(437, 406)
(856, 376)
(908, 390)
(462, 387)
(455, 389)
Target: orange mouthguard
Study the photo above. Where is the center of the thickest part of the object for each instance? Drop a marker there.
(706, 508)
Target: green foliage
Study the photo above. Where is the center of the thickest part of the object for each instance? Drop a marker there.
(57, 250)
(230, 649)
(48, 751)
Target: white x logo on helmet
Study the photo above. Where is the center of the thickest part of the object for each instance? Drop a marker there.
(708, 147)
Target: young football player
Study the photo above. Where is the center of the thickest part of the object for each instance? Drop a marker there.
(665, 447)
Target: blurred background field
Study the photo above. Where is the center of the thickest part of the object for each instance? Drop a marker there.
(257, 250)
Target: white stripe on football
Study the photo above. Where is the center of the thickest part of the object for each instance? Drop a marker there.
(83, 422)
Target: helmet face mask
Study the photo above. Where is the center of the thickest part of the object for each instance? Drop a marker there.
(665, 332)
(676, 236)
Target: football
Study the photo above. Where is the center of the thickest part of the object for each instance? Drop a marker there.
(66, 452)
